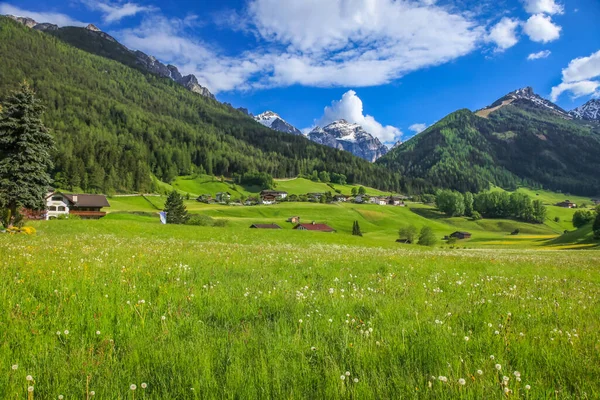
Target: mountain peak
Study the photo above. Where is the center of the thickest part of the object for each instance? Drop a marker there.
(93, 28)
(590, 111)
(341, 134)
(522, 97)
(274, 121)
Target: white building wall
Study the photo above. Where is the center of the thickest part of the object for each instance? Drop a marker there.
(56, 205)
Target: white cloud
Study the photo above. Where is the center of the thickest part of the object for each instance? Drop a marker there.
(350, 108)
(577, 89)
(539, 54)
(540, 28)
(582, 68)
(504, 33)
(580, 77)
(114, 12)
(417, 128)
(40, 17)
(543, 6)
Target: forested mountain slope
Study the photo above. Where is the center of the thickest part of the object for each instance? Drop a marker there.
(115, 125)
(523, 142)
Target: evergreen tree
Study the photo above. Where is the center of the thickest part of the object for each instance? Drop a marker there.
(356, 229)
(468, 197)
(175, 209)
(25, 146)
(354, 192)
(596, 226)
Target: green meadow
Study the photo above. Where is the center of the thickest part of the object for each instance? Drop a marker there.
(125, 307)
(93, 307)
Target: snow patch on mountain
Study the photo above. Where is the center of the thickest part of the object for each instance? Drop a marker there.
(590, 111)
(275, 122)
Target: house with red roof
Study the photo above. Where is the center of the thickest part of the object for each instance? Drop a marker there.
(314, 227)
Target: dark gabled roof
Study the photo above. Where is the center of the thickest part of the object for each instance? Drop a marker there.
(85, 200)
(265, 226)
(315, 227)
(461, 233)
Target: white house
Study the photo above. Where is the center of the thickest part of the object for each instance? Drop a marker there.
(86, 206)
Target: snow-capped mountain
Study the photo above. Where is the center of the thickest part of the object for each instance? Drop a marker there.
(525, 96)
(349, 137)
(590, 111)
(275, 122)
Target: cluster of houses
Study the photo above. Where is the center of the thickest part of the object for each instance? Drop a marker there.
(566, 204)
(313, 226)
(268, 197)
(85, 206)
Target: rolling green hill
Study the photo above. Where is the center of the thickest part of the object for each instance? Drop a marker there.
(519, 143)
(115, 125)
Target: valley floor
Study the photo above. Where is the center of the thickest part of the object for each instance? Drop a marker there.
(207, 312)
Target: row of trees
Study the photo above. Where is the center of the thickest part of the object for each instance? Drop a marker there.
(491, 205)
(583, 217)
(410, 234)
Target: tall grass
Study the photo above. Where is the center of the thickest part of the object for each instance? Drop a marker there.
(201, 318)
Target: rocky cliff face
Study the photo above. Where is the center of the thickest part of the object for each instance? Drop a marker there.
(82, 38)
(275, 122)
(349, 137)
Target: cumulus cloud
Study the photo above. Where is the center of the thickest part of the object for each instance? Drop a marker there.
(539, 54)
(51, 17)
(417, 128)
(350, 108)
(540, 28)
(580, 77)
(114, 12)
(543, 6)
(504, 33)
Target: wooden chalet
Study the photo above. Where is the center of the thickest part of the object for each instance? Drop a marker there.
(222, 197)
(265, 226)
(566, 204)
(275, 193)
(314, 227)
(461, 235)
(86, 206)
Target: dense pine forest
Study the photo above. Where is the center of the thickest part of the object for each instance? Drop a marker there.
(519, 144)
(116, 126)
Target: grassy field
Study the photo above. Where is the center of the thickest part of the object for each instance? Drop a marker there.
(199, 313)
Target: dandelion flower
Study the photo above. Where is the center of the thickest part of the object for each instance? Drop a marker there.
(92, 393)
(300, 320)
(442, 379)
(144, 385)
(355, 380)
(163, 318)
(313, 348)
(14, 367)
(496, 333)
(330, 320)
(527, 387)
(343, 377)
(58, 333)
(29, 377)
(479, 372)
(97, 332)
(61, 397)
(132, 387)
(506, 390)
(517, 374)
(492, 357)
(347, 373)
(466, 338)
(505, 379)
(66, 331)
(30, 389)
(498, 367)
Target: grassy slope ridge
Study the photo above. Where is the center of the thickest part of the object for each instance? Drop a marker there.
(115, 125)
(517, 144)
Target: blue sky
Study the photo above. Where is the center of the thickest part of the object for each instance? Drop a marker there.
(394, 66)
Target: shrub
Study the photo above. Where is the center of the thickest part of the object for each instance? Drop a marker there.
(475, 216)
(200, 220)
(427, 237)
(220, 223)
(408, 233)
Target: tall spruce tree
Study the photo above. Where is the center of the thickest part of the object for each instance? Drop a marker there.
(25, 161)
(175, 209)
(356, 229)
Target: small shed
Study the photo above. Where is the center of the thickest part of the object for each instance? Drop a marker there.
(294, 220)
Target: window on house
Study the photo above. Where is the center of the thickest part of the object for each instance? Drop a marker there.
(61, 208)
(52, 208)
(56, 198)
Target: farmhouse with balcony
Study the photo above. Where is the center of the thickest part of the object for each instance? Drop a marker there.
(275, 193)
(566, 204)
(461, 235)
(223, 197)
(86, 206)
